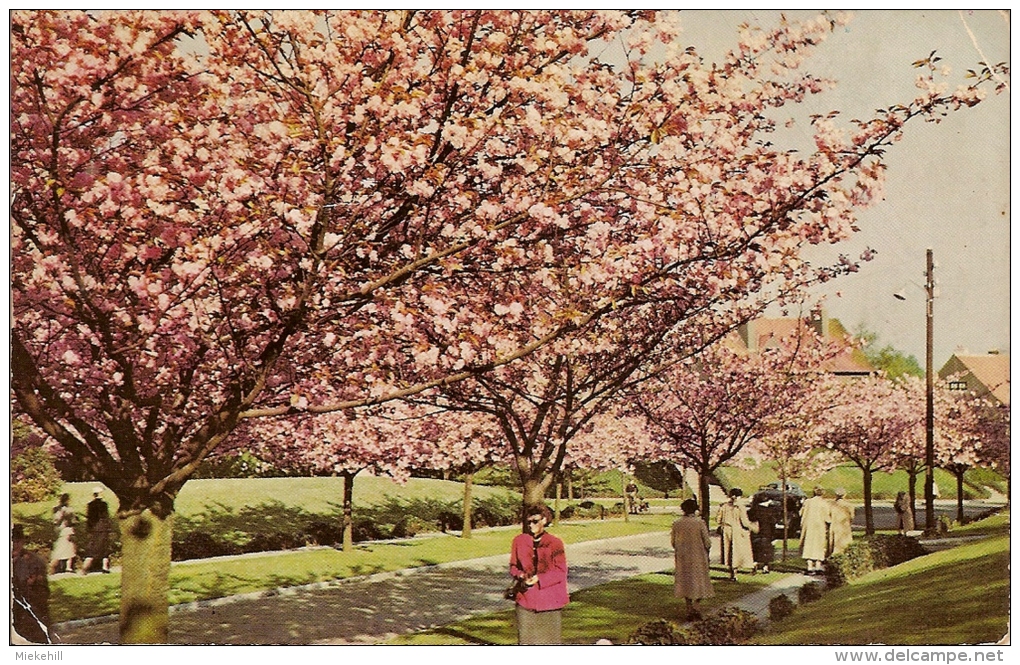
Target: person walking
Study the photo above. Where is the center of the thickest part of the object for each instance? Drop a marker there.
(631, 494)
(840, 535)
(735, 530)
(97, 522)
(31, 591)
(904, 514)
(64, 551)
(815, 518)
(691, 545)
(538, 563)
(762, 547)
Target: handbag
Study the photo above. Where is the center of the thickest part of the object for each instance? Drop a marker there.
(510, 593)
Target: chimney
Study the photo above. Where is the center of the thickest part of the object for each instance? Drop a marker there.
(747, 333)
(820, 321)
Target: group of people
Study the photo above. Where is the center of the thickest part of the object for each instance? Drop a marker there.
(746, 539)
(538, 562)
(99, 529)
(30, 584)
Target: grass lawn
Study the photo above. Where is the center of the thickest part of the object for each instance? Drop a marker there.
(884, 487)
(613, 611)
(956, 596)
(97, 595)
(310, 495)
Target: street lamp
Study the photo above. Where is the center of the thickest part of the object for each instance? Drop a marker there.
(929, 402)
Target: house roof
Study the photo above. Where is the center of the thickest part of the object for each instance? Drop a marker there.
(990, 369)
(766, 333)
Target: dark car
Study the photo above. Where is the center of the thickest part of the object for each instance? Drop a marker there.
(767, 504)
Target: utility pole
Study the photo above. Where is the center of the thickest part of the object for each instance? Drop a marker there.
(929, 416)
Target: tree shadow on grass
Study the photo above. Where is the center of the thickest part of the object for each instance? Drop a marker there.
(220, 529)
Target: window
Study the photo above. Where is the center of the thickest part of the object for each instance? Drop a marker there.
(957, 385)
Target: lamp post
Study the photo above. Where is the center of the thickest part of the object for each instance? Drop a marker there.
(929, 415)
(929, 402)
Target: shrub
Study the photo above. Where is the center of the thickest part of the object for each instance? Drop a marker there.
(368, 530)
(324, 532)
(450, 520)
(729, 625)
(34, 476)
(868, 554)
(200, 545)
(655, 632)
(408, 527)
(856, 560)
(497, 510)
(894, 550)
(781, 607)
(809, 593)
(243, 464)
(271, 542)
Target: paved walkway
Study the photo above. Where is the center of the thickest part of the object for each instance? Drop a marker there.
(374, 608)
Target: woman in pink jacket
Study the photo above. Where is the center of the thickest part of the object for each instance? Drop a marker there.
(539, 564)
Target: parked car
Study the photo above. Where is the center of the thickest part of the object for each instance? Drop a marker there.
(768, 500)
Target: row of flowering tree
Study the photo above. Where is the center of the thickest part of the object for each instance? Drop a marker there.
(705, 411)
(219, 217)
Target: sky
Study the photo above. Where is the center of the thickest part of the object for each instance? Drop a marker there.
(947, 184)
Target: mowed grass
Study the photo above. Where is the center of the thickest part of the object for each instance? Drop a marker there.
(98, 595)
(310, 495)
(884, 485)
(955, 596)
(610, 611)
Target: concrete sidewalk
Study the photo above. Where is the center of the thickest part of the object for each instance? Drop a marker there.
(374, 608)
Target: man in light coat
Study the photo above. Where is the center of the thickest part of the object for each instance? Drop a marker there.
(840, 534)
(815, 519)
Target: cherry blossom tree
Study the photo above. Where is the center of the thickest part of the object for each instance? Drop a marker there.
(964, 425)
(792, 444)
(461, 442)
(222, 216)
(910, 450)
(995, 449)
(704, 411)
(868, 420)
(342, 443)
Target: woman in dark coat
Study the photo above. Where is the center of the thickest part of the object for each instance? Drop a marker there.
(100, 530)
(763, 550)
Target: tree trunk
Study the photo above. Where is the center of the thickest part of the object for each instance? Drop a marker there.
(626, 508)
(786, 513)
(145, 578)
(958, 472)
(466, 530)
(348, 520)
(869, 516)
(570, 486)
(556, 508)
(534, 491)
(912, 488)
(703, 499)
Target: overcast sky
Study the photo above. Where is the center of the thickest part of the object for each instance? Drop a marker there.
(947, 187)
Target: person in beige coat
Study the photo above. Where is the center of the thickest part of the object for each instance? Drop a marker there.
(735, 530)
(815, 518)
(840, 534)
(691, 545)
